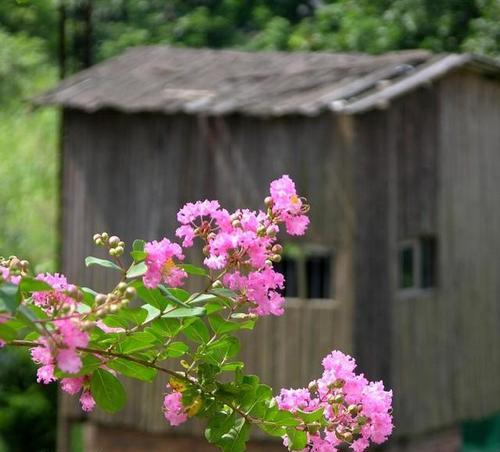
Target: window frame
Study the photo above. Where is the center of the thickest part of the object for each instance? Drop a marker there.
(416, 246)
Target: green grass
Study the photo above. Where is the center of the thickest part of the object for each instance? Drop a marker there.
(28, 180)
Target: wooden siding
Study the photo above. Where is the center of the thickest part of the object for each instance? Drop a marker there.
(469, 225)
(129, 174)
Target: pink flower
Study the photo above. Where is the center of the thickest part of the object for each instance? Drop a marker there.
(72, 336)
(87, 401)
(173, 409)
(69, 361)
(194, 211)
(360, 405)
(7, 276)
(56, 298)
(2, 343)
(161, 266)
(284, 195)
(45, 374)
(72, 385)
(296, 225)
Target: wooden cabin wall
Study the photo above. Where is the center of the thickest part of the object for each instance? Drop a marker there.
(129, 174)
(469, 226)
(432, 163)
(397, 339)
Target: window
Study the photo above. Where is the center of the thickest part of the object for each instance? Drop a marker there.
(307, 270)
(418, 263)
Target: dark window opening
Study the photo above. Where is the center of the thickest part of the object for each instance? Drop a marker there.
(307, 272)
(418, 263)
(428, 262)
(318, 276)
(406, 274)
(288, 268)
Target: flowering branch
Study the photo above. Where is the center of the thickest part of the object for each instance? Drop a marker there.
(85, 340)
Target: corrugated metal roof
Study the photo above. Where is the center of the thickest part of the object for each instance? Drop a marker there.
(215, 82)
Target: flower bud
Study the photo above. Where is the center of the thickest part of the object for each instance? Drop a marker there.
(338, 383)
(113, 309)
(96, 237)
(362, 420)
(113, 241)
(268, 201)
(261, 230)
(339, 398)
(277, 249)
(353, 410)
(271, 231)
(105, 236)
(347, 436)
(269, 263)
(72, 291)
(24, 265)
(130, 293)
(276, 258)
(206, 250)
(217, 284)
(99, 242)
(119, 250)
(100, 298)
(313, 427)
(100, 313)
(122, 244)
(122, 286)
(313, 387)
(236, 223)
(112, 251)
(87, 325)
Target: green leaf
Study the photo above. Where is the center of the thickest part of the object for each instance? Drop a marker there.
(229, 367)
(9, 298)
(165, 327)
(138, 245)
(136, 270)
(235, 440)
(193, 270)
(107, 391)
(138, 256)
(218, 425)
(132, 369)
(184, 312)
(176, 350)
(137, 341)
(298, 439)
(88, 296)
(7, 333)
(175, 295)
(222, 349)
(150, 296)
(198, 298)
(310, 416)
(91, 260)
(220, 326)
(197, 332)
(223, 292)
(34, 285)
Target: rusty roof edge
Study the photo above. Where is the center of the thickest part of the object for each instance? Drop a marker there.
(423, 75)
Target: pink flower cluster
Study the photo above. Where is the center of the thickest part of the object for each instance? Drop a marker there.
(173, 409)
(59, 348)
(357, 411)
(160, 264)
(240, 246)
(7, 276)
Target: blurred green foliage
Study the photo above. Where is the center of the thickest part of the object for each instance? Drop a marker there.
(28, 411)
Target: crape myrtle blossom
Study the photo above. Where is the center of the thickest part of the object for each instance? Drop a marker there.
(59, 349)
(84, 340)
(242, 246)
(173, 409)
(356, 411)
(161, 267)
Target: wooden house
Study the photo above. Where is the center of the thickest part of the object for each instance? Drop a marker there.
(399, 156)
